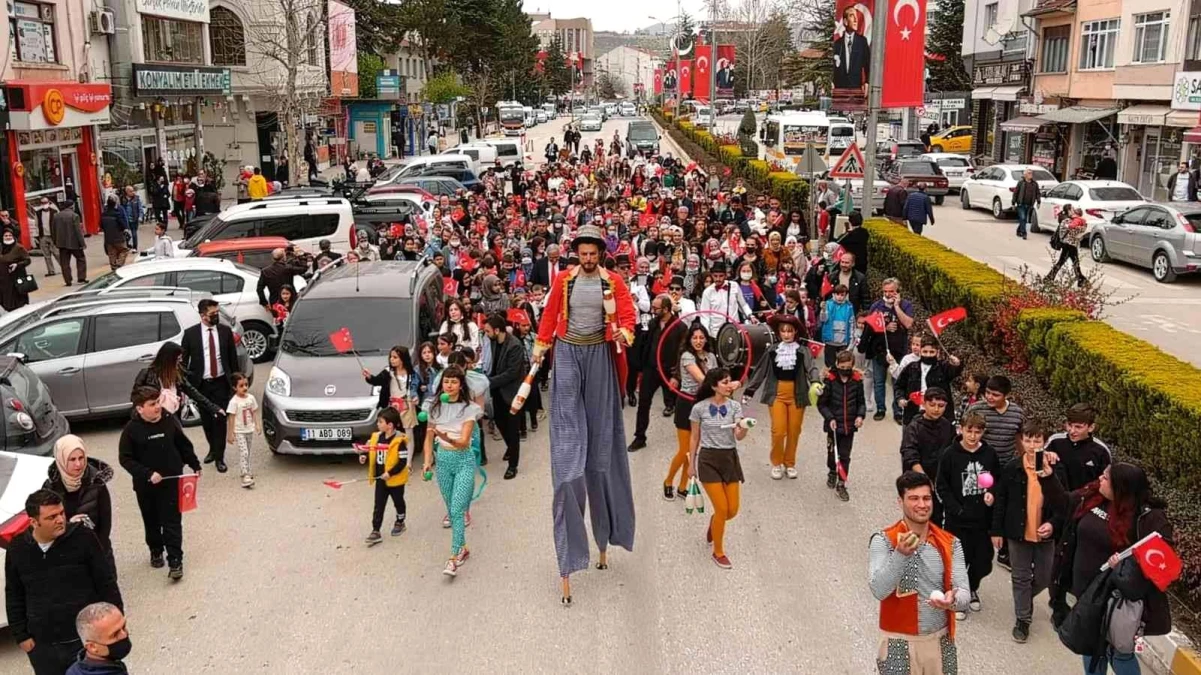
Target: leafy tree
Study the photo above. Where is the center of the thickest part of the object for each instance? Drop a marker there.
(748, 126)
(609, 85)
(444, 87)
(555, 72)
(379, 26)
(370, 65)
(944, 40)
(817, 71)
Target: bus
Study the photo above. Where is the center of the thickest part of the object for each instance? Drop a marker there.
(785, 136)
(512, 117)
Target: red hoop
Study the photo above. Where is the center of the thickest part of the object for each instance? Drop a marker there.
(746, 339)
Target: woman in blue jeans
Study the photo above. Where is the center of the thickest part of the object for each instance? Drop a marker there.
(1113, 513)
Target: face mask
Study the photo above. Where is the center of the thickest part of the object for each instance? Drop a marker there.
(9, 241)
(746, 276)
(120, 649)
(846, 372)
(454, 243)
(929, 360)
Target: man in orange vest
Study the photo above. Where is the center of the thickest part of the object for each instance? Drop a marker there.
(918, 573)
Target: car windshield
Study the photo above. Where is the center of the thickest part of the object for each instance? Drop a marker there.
(918, 169)
(1114, 194)
(642, 132)
(102, 282)
(375, 325)
(842, 131)
(953, 162)
(1039, 174)
(909, 150)
(391, 173)
(204, 233)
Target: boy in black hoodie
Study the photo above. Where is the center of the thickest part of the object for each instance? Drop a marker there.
(966, 504)
(919, 376)
(153, 448)
(925, 438)
(843, 406)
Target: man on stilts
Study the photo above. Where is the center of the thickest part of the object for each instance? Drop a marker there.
(589, 318)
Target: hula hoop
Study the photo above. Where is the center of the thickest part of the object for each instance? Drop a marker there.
(746, 339)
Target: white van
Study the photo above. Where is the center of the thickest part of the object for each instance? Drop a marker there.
(703, 119)
(508, 151)
(304, 222)
(417, 165)
(483, 155)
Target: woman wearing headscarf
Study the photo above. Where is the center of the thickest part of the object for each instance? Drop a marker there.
(13, 261)
(82, 482)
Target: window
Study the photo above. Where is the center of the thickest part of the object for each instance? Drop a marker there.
(990, 15)
(43, 169)
(1135, 216)
(227, 38)
(321, 225)
(236, 230)
(1056, 41)
(288, 227)
(1192, 48)
(117, 331)
(32, 28)
(313, 40)
(170, 41)
(160, 279)
(168, 327)
(1097, 42)
(210, 281)
(1150, 37)
(52, 341)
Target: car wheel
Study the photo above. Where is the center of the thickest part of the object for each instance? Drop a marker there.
(189, 414)
(1161, 268)
(1097, 248)
(998, 211)
(1033, 222)
(257, 339)
(963, 200)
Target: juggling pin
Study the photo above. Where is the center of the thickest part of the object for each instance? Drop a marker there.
(689, 501)
(610, 304)
(523, 391)
(698, 500)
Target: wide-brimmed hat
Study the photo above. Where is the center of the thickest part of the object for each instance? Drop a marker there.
(777, 320)
(588, 234)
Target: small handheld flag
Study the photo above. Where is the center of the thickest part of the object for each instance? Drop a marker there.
(939, 322)
(187, 492)
(875, 321)
(815, 348)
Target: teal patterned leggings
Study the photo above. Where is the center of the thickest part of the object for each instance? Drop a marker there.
(456, 479)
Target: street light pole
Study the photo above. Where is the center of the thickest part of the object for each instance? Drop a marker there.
(875, 88)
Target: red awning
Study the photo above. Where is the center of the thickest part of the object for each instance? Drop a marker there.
(1193, 135)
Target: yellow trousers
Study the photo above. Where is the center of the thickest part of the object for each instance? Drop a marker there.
(680, 461)
(786, 420)
(723, 499)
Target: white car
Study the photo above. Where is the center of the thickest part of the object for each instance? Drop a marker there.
(542, 116)
(234, 286)
(20, 476)
(1100, 200)
(591, 122)
(703, 118)
(628, 109)
(957, 168)
(993, 187)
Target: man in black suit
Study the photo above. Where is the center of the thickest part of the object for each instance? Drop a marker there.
(725, 77)
(509, 366)
(543, 267)
(649, 358)
(852, 55)
(210, 357)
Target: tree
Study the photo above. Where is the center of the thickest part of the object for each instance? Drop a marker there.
(609, 85)
(444, 87)
(817, 71)
(763, 42)
(379, 26)
(556, 73)
(370, 66)
(944, 43)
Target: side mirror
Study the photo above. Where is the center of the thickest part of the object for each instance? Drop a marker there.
(18, 356)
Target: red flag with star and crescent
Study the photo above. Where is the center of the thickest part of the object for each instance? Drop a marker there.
(658, 81)
(685, 86)
(815, 348)
(187, 492)
(1158, 561)
(702, 71)
(939, 322)
(905, 37)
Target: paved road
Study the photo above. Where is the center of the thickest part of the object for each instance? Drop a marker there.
(1166, 315)
(278, 579)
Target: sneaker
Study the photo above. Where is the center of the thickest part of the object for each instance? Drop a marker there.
(669, 493)
(373, 538)
(1021, 631)
(156, 560)
(248, 481)
(831, 480)
(464, 554)
(841, 491)
(960, 616)
(451, 569)
(790, 471)
(722, 562)
(637, 445)
(398, 528)
(523, 434)
(669, 411)
(974, 604)
(777, 472)
(175, 573)
(878, 416)
(446, 521)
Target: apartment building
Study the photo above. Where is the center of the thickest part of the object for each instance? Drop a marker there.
(997, 48)
(634, 69)
(576, 37)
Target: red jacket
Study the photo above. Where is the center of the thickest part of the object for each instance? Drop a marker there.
(554, 315)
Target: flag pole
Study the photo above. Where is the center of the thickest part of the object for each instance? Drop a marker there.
(1130, 551)
(874, 96)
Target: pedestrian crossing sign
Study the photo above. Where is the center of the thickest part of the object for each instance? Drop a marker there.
(850, 165)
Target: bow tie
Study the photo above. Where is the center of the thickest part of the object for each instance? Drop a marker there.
(721, 286)
(713, 410)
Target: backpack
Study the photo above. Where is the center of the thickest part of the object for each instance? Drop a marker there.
(1083, 631)
(1056, 239)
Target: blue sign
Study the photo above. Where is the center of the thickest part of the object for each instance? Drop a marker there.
(387, 86)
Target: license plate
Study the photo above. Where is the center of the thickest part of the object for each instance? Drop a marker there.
(338, 434)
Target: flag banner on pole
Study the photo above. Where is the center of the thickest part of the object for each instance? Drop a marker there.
(905, 68)
(875, 321)
(725, 71)
(702, 71)
(187, 492)
(939, 322)
(342, 341)
(658, 81)
(827, 287)
(686, 76)
(671, 76)
(917, 398)
(852, 54)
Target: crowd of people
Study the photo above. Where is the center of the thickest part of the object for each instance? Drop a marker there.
(604, 279)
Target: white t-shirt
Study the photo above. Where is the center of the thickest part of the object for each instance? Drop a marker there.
(241, 410)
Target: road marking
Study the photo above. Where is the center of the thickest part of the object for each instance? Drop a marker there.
(1193, 302)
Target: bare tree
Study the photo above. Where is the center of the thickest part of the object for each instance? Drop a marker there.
(761, 34)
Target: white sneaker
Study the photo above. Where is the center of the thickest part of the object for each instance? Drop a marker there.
(960, 616)
(777, 472)
(446, 521)
(451, 569)
(791, 472)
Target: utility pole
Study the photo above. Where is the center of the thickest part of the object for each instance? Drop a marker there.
(713, 62)
(875, 88)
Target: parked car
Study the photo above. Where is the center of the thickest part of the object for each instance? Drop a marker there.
(878, 194)
(993, 187)
(628, 109)
(411, 203)
(402, 188)
(1100, 200)
(957, 168)
(253, 252)
(704, 118)
(234, 286)
(20, 476)
(438, 186)
(909, 173)
(316, 401)
(304, 222)
(508, 151)
(1159, 236)
(32, 423)
(87, 347)
(417, 166)
(541, 116)
(894, 150)
(591, 122)
(642, 136)
(952, 139)
(466, 177)
(483, 155)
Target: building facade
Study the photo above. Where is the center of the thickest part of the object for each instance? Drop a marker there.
(576, 37)
(633, 68)
(997, 51)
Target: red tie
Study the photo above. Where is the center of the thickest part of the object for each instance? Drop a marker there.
(212, 354)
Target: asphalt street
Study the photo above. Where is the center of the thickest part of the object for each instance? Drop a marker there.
(278, 578)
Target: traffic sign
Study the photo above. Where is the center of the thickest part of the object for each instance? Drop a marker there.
(850, 165)
(811, 162)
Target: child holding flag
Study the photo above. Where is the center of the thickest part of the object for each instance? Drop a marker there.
(387, 459)
(843, 405)
(928, 372)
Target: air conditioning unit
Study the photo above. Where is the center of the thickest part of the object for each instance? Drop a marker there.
(103, 22)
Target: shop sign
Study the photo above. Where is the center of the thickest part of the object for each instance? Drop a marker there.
(185, 10)
(387, 85)
(1186, 91)
(945, 104)
(47, 105)
(1144, 120)
(1037, 108)
(180, 80)
(1012, 72)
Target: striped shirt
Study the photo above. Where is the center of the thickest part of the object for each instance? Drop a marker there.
(1001, 429)
(889, 571)
(586, 311)
(716, 426)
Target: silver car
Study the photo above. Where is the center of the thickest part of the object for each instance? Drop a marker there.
(234, 286)
(87, 348)
(1161, 237)
(316, 401)
(32, 423)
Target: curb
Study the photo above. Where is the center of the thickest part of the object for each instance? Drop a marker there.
(1171, 654)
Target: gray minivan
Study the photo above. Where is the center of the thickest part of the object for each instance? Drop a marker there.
(642, 137)
(316, 401)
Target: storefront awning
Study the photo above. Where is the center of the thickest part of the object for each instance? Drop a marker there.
(1144, 115)
(1193, 135)
(1182, 118)
(1009, 93)
(1077, 114)
(983, 93)
(1022, 125)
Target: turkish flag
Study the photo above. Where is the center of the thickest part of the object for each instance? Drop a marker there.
(517, 317)
(905, 69)
(685, 78)
(658, 81)
(875, 321)
(827, 287)
(450, 287)
(1158, 561)
(13, 527)
(342, 340)
(815, 348)
(939, 322)
(187, 492)
(917, 397)
(702, 71)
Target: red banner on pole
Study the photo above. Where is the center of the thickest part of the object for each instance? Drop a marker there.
(725, 71)
(658, 81)
(671, 77)
(852, 54)
(686, 76)
(905, 73)
(701, 72)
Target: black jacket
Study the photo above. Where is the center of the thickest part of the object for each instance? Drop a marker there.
(148, 378)
(923, 442)
(383, 380)
(84, 666)
(44, 591)
(275, 276)
(1027, 193)
(941, 375)
(509, 367)
(647, 354)
(856, 290)
(1192, 185)
(842, 401)
(162, 446)
(1079, 463)
(894, 201)
(541, 273)
(1009, 505)
(961, 496)
(91, 499)
(110, 225)
(855, 241)
(193, 352)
